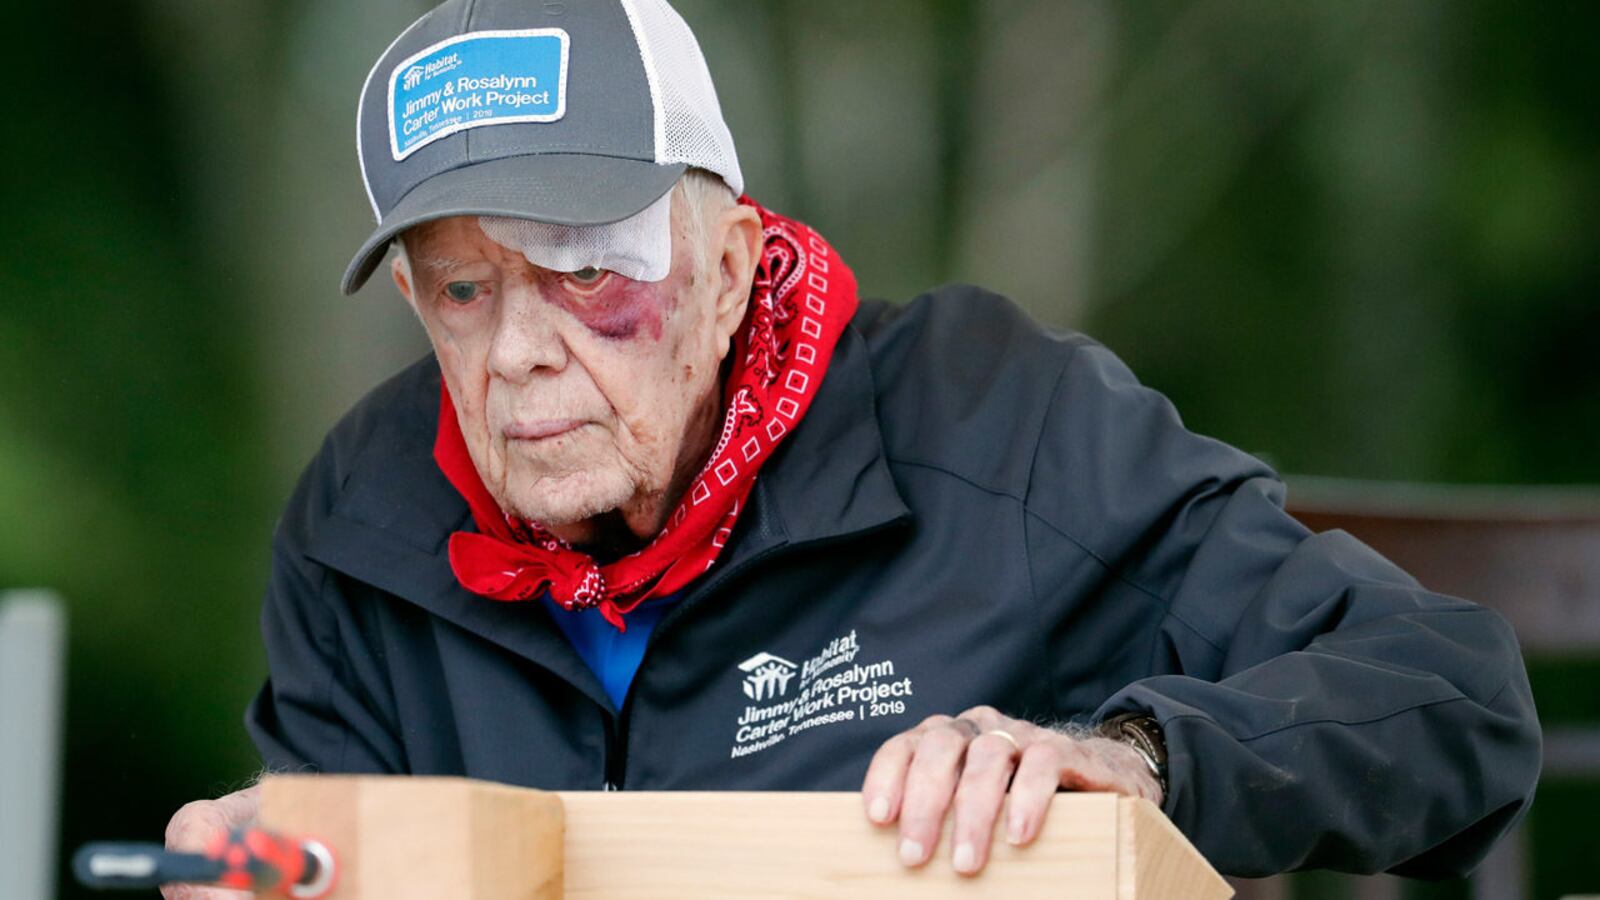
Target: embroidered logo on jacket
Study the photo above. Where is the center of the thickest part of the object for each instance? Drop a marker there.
(769, 676)
(831, 687)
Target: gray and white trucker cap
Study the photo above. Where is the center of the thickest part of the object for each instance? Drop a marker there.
(575, 113)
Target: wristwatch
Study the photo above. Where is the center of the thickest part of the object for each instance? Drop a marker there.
(1142, 732)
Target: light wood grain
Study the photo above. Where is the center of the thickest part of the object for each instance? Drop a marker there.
(1162, 862)
(716, 845)
(403, 838)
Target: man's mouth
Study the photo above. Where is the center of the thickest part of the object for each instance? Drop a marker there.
(540, 429)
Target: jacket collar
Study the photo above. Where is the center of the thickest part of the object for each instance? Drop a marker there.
(391, 521)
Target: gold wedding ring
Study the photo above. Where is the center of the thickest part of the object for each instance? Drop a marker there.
(1016, 747)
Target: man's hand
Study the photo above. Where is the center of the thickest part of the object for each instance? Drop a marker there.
(195, 825)
(968, 762)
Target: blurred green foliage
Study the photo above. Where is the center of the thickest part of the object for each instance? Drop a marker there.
(1400, 279)
(1354, 238)
(130, 474)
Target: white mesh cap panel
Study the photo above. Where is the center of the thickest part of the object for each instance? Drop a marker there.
(688, 118)
(638, 247)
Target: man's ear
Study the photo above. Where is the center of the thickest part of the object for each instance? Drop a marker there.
(735, 255)
(400, 270)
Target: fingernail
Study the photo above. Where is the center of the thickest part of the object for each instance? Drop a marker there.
(965, 858)
(1014, 830)
(910, 852)
(879, 810)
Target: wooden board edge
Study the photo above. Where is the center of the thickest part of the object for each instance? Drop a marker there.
(1127, 852)
(506, 817)
(523, 826)
(1165, 866)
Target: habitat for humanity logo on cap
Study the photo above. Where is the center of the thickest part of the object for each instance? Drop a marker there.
(432, 67)
(481, 78)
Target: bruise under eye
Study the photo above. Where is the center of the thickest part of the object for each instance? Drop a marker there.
(619, 308)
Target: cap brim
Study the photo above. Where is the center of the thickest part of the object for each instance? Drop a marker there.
(559, 188)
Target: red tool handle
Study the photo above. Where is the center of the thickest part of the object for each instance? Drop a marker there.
(245, 859)
(257, 860)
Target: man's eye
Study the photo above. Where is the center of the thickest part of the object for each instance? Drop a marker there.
(588, 276)
(462, 291)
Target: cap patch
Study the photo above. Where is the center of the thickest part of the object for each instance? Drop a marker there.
(481, 78)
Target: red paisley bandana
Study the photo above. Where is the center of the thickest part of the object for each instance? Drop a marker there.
(802, 298)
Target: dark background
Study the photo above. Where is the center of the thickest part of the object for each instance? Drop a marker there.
(1356, 238)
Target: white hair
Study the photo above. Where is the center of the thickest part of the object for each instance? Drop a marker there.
(705, 196)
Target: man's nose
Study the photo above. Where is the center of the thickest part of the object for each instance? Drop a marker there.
(527, 337)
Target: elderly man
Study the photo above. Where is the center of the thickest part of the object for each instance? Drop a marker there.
(668, 507)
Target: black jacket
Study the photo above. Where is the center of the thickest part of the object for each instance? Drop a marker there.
(974, 511)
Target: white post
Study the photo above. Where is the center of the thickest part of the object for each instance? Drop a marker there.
(33, 629)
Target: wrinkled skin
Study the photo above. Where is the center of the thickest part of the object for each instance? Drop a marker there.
(193, 827)
(588, 401)
(963, 766)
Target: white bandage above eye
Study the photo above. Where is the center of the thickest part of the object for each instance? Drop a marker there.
(638, 247)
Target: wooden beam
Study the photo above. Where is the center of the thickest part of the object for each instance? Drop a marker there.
(399, 838)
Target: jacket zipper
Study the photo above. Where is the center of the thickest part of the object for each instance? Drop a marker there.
(617, 729)
(616, 761)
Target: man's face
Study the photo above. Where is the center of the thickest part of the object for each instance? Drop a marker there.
(578, 393)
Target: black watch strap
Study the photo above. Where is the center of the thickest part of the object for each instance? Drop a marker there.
(1143, 733)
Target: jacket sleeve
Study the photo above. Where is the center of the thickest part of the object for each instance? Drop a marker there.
(323, 706)
(1320, 708)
